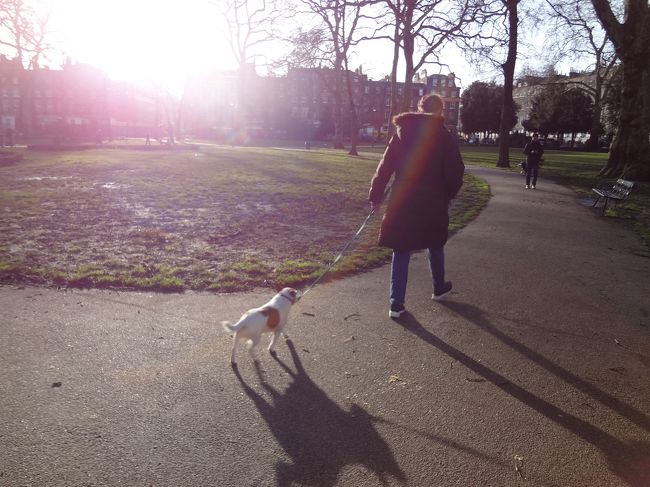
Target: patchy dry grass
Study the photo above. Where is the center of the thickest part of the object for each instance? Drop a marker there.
(221, 219)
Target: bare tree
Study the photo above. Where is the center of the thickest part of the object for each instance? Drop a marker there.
(584, 38)
(23, 31)
(422, 28)
(310, 49)
(23, 34)
(508, 68)
(339, 21)
(249, 24)
(496, 43)
(630, 151)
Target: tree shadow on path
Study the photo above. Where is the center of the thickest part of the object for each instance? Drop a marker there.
(476, 317)
(320, 437)
(629, 461)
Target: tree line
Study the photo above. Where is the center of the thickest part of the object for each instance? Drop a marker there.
(562, 108)
(610, 34)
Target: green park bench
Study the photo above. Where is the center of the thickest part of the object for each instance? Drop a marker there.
(617, 193)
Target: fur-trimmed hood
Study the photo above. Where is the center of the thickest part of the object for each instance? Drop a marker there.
(409, 122)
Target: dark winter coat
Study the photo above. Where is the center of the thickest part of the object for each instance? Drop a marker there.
(534, 150)
(428, 170)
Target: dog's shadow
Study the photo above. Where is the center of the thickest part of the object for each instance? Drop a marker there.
(320, 437)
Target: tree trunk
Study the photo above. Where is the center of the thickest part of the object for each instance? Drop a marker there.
(508, 83)
(393, 85)
(630, 151)
(596, 126)
(25, 113)
(353, 118)
(629, 155)
(409, 49)
(338, 108)
(354, 133)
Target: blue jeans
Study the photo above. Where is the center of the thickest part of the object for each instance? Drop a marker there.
(399, 272)
(533, 170)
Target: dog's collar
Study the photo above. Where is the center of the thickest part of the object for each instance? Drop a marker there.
(292, 301)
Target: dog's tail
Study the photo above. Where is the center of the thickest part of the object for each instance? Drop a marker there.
(228, 326)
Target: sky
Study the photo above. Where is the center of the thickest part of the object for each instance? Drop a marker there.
(156, 41)
(165, 41)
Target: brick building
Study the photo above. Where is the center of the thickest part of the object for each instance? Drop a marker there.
(76, 102)
(445, 86)
(79, 102)
(300, 104)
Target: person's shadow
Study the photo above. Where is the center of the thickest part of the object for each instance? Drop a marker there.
(320, 437)
(629, 461)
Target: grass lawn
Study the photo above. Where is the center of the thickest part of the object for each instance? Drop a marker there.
(221, 219)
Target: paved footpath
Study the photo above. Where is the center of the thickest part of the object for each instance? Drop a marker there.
(535, 371)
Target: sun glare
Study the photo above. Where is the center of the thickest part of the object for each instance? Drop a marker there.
(153, 41)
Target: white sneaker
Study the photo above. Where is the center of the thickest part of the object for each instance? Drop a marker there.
(396, 310)
(443, 291)
(533, 186)
(527, 187)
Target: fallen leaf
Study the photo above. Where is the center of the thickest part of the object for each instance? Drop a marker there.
(348, 340)
(57, 384)
(519, 462)
(620, 370)
(393, 378)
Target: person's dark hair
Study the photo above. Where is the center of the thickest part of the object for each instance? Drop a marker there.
(535, 135)
(431, 104)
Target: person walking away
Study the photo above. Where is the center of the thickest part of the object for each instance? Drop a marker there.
(533, 152)
(428, 168)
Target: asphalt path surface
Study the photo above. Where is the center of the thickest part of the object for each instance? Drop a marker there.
(534, 372)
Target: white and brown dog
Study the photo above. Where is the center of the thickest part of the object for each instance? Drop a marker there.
(270, 318)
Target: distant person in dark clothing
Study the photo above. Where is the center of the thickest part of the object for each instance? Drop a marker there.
(533, 152)
(428, 170)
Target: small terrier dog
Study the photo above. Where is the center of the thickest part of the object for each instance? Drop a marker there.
(270, 318)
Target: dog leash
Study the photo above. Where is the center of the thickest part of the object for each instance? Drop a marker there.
(338, 257)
